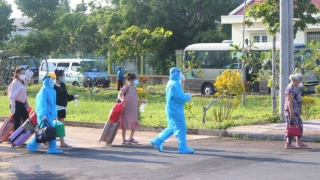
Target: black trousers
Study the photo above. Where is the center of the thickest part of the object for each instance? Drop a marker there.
(20, 114)
(120, 84)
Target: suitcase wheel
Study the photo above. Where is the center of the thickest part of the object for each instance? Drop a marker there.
(107, 144)
(99, 141)
(0, 141)
(12, 145)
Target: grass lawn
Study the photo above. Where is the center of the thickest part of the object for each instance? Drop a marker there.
(96, 109)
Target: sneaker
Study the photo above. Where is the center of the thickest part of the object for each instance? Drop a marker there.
(126, 143)
(133, 141)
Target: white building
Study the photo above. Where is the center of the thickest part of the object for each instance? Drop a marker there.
(21, 30)
(259, 31)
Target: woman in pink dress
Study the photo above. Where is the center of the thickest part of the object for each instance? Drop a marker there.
(129, 118)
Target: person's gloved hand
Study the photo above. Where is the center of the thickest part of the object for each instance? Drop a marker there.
(43, 118)
(12, 110)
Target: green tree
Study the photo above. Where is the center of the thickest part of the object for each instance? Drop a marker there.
(269, 12)
(6, 26)
(38, 44)
(43, 13)
(136, 42)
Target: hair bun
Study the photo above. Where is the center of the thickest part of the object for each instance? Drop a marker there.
(129, 74)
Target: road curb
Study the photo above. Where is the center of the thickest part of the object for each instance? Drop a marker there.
(206, 132)
(271, 137)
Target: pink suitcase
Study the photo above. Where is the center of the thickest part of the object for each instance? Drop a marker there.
(109, 132)
(7, 127)
(22, 134)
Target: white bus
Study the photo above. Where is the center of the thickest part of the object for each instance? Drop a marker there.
(216, 58)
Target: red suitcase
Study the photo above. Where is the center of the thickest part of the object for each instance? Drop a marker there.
(6, 129)
(109, 132)
(33, 118)
(22, 134)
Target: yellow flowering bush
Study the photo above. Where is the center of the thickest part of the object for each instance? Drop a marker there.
(231, 86)
(307, 103)
(230, 83)
(317, 89)
(142, 93)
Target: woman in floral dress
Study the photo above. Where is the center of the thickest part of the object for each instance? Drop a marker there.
(292, 109)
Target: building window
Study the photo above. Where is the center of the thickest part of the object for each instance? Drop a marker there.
(313, 36)
(260, 38)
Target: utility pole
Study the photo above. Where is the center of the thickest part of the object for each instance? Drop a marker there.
(286, 38)
(244, 71)
(291, 38)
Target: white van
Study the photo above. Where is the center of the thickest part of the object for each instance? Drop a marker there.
(93, 73)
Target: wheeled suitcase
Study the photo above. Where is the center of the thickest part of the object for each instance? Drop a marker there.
(7, 127)
(33, 118)
(109, 132)
(22, 134)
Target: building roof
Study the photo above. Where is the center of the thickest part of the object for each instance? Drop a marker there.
(239, 10)
(20, 21)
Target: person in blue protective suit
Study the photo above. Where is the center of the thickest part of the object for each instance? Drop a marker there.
(46, 110)
(119, 79)
(175, 99)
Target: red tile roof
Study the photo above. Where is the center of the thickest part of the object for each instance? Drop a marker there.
(240, 11)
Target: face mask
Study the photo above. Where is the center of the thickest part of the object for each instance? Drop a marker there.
(63, 79)
(300, 84)
(136, 82)
(22, 76)
(51, 83)
(182, 77)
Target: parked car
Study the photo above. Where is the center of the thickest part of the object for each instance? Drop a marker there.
(79, 72)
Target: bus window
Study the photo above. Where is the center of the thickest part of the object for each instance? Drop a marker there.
(226, 60)
(214, 59)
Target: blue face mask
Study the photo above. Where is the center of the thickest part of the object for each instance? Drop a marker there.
(63, 79)
(136, 82)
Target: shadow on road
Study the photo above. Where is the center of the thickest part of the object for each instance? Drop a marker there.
(40, 175)
(111, 155)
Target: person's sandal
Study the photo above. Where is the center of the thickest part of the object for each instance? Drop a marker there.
(289, 146)
(302, 146)
(126, 143)
(133, 141)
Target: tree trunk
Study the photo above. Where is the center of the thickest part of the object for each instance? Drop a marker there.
(274, 77)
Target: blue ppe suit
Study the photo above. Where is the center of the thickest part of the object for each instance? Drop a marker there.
(120, 74)
(175, 99)
(45, 109)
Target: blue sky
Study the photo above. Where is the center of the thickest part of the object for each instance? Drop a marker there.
(17, 14)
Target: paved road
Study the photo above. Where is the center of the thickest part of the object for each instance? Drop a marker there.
(215, 158)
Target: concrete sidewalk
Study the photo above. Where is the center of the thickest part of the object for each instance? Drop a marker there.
(311, 131)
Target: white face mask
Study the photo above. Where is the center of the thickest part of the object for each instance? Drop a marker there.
(52, 82)
(300, 84)
(22, 76)
(182, 78)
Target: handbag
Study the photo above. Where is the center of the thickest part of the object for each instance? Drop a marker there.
(60, 128)
(119, 100)
(45, 134)
(293, 130)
